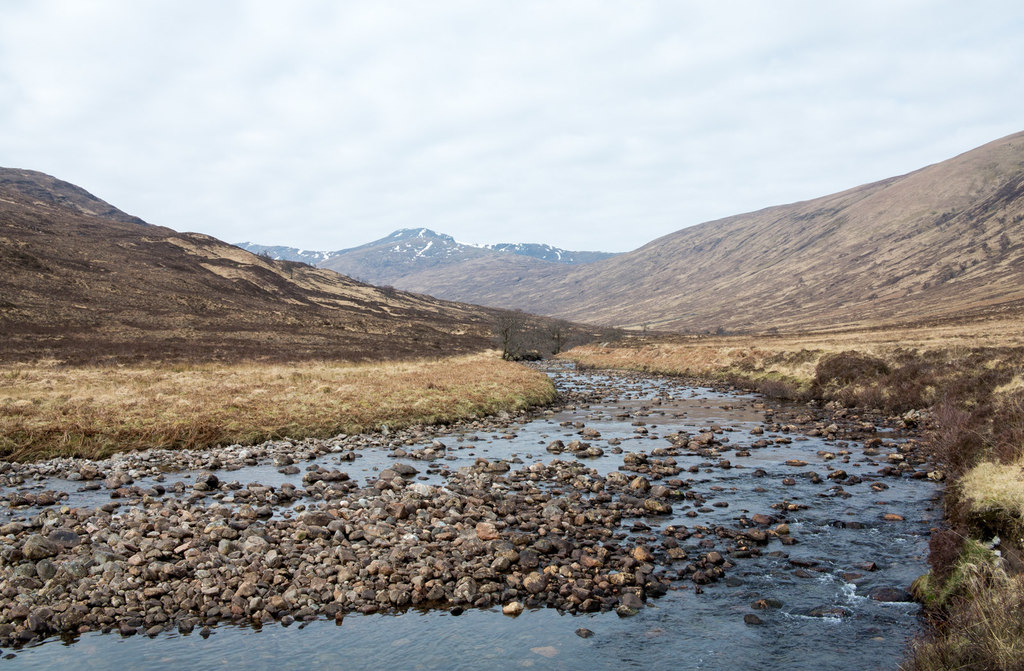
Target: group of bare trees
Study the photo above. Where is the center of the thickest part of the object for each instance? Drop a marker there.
(526, 337)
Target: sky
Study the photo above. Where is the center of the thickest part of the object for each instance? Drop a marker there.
(582, 124)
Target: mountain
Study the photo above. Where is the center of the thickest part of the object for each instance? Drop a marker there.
(41, 189)
(943, 241)
(549, 253)
(414, 250)
(81, 281)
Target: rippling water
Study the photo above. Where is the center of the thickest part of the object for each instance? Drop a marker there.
(683, 630)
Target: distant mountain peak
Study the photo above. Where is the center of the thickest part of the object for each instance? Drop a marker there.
(413, 250)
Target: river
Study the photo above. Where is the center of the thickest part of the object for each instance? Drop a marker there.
(804, 605)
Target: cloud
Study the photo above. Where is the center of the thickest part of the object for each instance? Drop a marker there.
(586, 125)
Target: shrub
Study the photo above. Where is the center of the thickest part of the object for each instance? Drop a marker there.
(847, 367)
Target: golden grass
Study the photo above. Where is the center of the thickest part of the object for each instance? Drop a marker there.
(701, 360)
(50, 411)
(999, 488)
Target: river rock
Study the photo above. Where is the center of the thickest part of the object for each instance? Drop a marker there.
(535, 582)
(657, 507)
(37, 547)
(512, 608)
(486, 531)
(890, 595)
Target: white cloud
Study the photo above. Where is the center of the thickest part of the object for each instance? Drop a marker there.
(586, 125)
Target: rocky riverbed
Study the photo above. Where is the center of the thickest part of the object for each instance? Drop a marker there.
(634, 489)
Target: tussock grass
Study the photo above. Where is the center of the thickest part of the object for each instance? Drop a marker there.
(983, 630)
(874, 373)
(47, 410)
(998, 488)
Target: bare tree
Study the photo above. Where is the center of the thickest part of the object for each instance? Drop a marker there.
(508, 329)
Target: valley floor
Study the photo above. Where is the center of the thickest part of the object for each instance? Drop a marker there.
(93, 411)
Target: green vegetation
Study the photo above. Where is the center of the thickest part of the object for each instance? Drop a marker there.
(976, 613)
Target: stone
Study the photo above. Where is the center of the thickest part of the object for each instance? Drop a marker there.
(657, 507)
(39, 620)
(466, 590)
(206, 481)
(315, 518)
(891, 595)
(37, 547)
(486, 531)
(65, 537)
(631, 600)
(625, 611)
(535, 582)
(45, 569)
(583, 632)
(752, 619)
(512, 608)
(642, 554)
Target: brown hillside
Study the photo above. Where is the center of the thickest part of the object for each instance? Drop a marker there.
(82, 281)
(935, 243)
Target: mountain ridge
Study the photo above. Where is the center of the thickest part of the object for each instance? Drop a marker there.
(413, 250)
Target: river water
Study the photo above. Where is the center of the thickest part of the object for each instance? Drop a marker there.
(823, 619)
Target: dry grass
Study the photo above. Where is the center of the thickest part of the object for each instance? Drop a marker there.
(995, 488)
(796, 356)
(47, 410)
(984, 628)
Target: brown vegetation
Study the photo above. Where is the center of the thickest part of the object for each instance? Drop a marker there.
(48, 411)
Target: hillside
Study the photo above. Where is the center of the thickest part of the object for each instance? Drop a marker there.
(82, 281)
(410, 251)
(936, 243)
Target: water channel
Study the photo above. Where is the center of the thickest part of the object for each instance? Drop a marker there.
(850, 541)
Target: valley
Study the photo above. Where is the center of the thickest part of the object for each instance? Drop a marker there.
(863, 349)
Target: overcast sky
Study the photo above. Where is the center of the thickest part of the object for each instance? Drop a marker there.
(587, 125)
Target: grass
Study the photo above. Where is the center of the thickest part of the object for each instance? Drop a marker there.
(51, 410)
(982, 628)
(995, 488)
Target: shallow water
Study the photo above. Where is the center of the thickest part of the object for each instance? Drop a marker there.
(683, 630)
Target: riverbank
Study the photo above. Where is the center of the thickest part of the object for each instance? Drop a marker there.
(95, 411)
(964, 385)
